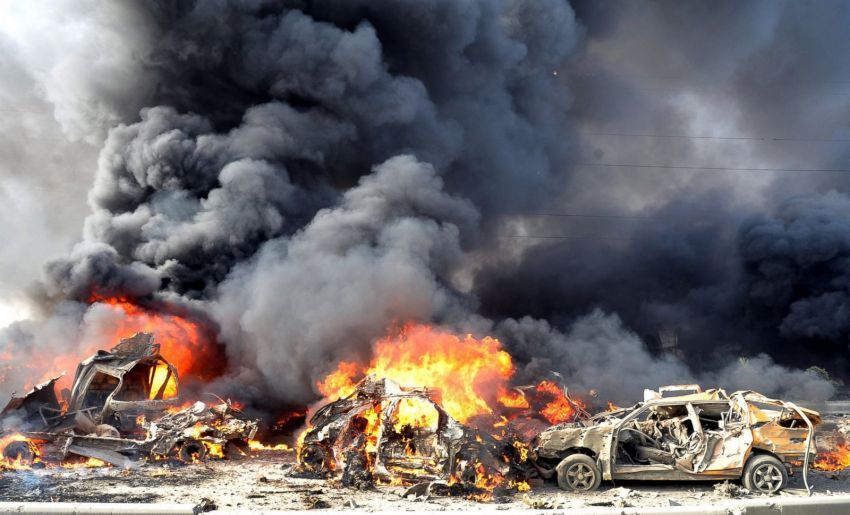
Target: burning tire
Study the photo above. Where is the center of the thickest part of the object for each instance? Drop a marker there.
(192, 451)
(21, 452)
(578, 473)
(316, 459)
(764, 474)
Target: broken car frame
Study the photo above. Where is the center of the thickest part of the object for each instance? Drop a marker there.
(697, 436)
(123, 406)
(366, 435)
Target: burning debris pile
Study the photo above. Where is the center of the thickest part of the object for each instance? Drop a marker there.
(431, 406)
(385, 433)
(124, 406)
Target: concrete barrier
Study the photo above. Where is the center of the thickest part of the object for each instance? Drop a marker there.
(96, 508)
(816, 505)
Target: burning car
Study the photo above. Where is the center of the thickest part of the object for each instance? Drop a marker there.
(123, 406)
(682, 433)
(392, 434)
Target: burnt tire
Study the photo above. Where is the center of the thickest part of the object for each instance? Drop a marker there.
(764, 474)
(192, 451)
(315, 458)
(578, 473)
(22, 452)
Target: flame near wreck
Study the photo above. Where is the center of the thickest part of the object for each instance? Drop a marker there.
(184, 337)
(834, 459)
(389, 420)
(469, 377)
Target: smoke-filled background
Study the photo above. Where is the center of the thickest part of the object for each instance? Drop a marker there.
(626, 193)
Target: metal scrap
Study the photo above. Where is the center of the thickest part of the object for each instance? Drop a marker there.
(362, 439)
(123, 407)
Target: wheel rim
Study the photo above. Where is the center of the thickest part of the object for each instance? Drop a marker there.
(580, 476)
(767, 478)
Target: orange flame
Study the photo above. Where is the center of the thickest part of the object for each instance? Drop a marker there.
(469, 377)
(17, 463)
(468, 373)
(182, 342)
(256, 445)
(558, 409)
(836, 459)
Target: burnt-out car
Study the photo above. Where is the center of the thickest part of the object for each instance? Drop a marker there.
(124, 405)
(702, 435)
(387, 433)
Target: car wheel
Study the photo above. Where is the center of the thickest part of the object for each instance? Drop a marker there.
(764, 474)
(313, 458)
(20, 452)
(192, 451)
(579, 473)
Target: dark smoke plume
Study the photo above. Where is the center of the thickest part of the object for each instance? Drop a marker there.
(306, 173)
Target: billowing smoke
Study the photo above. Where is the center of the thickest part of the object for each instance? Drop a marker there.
(304, 174)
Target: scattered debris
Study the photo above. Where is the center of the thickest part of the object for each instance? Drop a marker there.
(315, 503)
(732, 490)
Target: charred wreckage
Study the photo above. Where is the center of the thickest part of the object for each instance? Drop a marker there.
(683, 433)
(123, 407)
(389, 434)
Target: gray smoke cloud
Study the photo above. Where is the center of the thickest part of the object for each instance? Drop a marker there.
(382, 255)
(307, 173)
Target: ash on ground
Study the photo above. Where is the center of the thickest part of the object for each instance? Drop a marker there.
(267, 480)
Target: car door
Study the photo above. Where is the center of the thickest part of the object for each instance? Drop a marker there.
(727, 425)
(625, 443)
(681, 439)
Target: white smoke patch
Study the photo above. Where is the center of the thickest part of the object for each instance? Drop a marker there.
(43, 179)
(27, 235)
(760, 373)
(12, 310)
(32, 347)
(597, 352)
(381, 256)
(85, 58)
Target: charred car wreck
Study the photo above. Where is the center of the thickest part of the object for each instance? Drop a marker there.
(123, 406)
(390, 434)
(682, 433)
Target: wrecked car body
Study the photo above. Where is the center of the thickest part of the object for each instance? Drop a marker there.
(387, 433)
(123, 406)
(689, 435)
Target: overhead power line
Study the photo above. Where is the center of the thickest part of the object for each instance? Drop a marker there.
(714, 168)
(588, 215)
(728, 138)
(561, 237)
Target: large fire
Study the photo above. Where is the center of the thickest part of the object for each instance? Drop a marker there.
(466, 373)
(469, 376)
(182, 342)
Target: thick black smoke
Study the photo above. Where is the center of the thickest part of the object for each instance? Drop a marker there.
(307, 173)
(676, 251)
